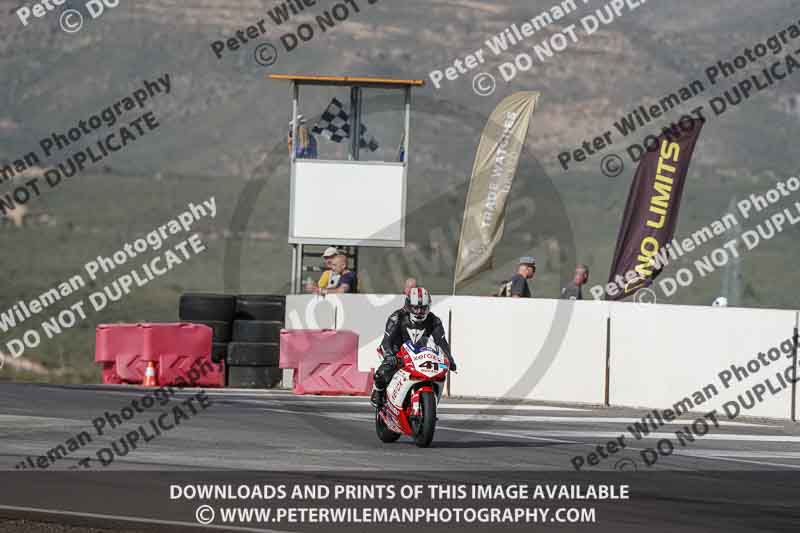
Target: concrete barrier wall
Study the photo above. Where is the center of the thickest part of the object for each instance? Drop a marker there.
(555, 350)
(534, 349)
(662, 354)
(529, 349)
(305, 311)
(367, 316)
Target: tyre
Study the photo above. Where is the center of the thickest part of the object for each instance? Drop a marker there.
(221, 330)
(280, 298)
(384, 433)
(257, 330)
(219, 352)
(425, 425)
(261, 308)
(203, 307)
(253, 354)
(254, 377)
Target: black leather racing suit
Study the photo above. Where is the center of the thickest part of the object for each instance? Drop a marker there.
(400, 329)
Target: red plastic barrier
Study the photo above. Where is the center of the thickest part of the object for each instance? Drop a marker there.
(325, 361)
(109, 374)
(113, 339)
(181, 350)
(131, 365)
(202, 372)
(118, 340)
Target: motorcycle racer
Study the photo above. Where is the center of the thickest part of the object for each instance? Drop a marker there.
(414, 322)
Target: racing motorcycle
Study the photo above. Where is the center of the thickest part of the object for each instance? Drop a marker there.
(412, 395)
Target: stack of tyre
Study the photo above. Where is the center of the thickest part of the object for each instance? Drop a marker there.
(215, 311)
(254, 351)
(246, 334)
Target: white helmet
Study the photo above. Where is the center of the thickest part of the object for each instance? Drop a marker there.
(418, 304)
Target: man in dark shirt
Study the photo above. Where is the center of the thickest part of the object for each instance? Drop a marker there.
(519, 281)
(348, 282)
(572, 291)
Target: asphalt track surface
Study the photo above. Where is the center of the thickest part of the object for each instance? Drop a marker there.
(244, 430)
(275, 430)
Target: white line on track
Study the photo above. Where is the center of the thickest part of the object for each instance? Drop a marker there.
(571, 419)
(716, 455)
(447, 405)
(358, 417)
(510, 407)
(659, 435)
(33, 422)
(751, 454)
(262, 392)
(554, 436)
(361, 401)
(549, 436)
(759, 463)
(357, 400)
(458, 417)
(506, 435)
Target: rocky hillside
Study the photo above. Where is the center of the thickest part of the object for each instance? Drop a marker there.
(224, 120)
(226, 105)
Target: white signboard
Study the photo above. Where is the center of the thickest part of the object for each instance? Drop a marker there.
(348, 203)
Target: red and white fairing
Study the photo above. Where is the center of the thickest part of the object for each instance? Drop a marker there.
(422, 368)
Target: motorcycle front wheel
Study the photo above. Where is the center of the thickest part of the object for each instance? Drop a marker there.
(425, 424)
(384, 433)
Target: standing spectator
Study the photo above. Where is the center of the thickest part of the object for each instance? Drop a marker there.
(401, 150)
(573, 289)
(307, 146)
(347, 282)
(411, 283)
(517, 286)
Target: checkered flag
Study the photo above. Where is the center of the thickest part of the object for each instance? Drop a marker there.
(334, 125)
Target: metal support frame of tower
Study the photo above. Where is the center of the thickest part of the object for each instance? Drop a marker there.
(356, 103)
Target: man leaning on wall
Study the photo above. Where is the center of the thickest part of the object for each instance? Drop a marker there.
(572, 290)
(518, 285)
(347, 281)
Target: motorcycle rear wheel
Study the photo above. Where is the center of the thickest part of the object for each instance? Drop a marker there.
(426, 423)
(384, 433)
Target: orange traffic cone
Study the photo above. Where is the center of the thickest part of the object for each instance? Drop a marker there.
(150, 375)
